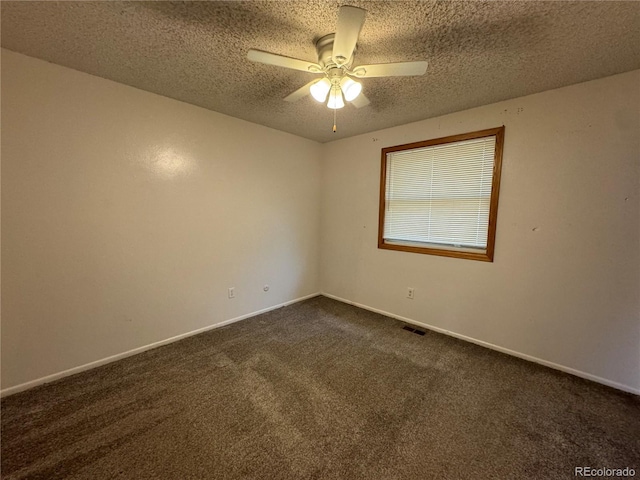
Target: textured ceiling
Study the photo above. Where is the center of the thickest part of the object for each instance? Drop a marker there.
(478, 52)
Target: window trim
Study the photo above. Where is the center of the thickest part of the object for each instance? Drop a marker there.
(493, 205)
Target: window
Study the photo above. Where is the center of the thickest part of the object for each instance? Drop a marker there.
(440, 196)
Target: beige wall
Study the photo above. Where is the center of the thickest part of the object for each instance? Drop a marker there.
(126, 216)
(564, 287)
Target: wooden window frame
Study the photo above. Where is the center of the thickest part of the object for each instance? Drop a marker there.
(493, 205)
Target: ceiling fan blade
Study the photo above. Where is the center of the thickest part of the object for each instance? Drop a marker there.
(360, 101)
(282, 61)
(350, 21)
(390, 69)
(300, 93)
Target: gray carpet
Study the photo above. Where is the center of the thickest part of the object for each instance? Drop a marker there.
(318, 390)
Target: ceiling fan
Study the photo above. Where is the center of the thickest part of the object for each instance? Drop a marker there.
(335, 62)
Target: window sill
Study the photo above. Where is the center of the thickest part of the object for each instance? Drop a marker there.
(482, 256)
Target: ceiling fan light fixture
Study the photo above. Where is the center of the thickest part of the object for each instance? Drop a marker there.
(320, 89)
(350, 88)
(335, 98)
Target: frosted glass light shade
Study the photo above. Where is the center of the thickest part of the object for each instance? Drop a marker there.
(350, 88)
(335, 99)
(320, 89)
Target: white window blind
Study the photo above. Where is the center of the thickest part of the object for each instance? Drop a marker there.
(440, 195)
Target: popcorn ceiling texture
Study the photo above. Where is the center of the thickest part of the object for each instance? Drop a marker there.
(478, 52)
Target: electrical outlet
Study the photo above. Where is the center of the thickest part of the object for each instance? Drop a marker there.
(232, 292)
(410, 293)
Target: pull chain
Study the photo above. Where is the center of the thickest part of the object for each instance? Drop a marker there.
(334, 120)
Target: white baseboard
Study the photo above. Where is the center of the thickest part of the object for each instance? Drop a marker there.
(88, 366)
(562, 368)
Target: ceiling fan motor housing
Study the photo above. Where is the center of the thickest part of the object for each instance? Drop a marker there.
(324, 48)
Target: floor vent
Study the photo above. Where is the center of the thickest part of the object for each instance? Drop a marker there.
(413, 330)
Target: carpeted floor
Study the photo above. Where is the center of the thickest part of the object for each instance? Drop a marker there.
(318, 390)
